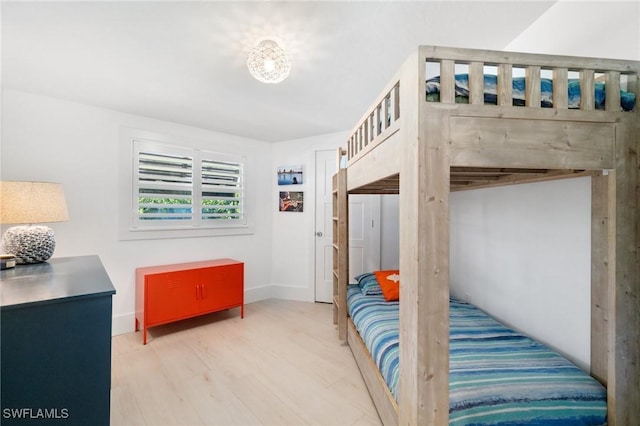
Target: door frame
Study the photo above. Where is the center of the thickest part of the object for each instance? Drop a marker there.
(375, 237)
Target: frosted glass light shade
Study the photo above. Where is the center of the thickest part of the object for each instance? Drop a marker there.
(268, 62)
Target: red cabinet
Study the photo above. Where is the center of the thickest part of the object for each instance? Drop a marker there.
(173, 292)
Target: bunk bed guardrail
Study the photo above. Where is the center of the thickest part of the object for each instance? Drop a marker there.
(383, 119)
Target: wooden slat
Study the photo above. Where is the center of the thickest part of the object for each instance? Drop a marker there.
(396, 101)
(493, 170)
(424, 255)
(365, 133)
(343, 251)
(340, 153)
(600, 275)
(624, 297)
(376, 122)
(382, 159)
(476, 83)
(436, 53)
(385, 403)
(518, 112)
(447, 82)
(612, 91)
(550, 144)
(350, 147)
(519, 178)
(472, 178)
(560, 88)
(505, 84)
(392, 105)
(481, 179)
(388, 185)
(532, 87)
(386, 111)
(587, 90)
(372, 127)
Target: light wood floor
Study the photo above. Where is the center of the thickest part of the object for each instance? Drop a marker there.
(281, 365)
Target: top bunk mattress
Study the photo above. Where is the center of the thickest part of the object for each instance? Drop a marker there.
(497, 375)
(627, 99)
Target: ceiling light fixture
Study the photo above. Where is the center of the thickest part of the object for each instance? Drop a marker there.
(268, 62)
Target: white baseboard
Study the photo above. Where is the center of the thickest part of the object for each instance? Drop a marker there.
(125, 323)
(121, 324)
(301, 294)
(257, 294)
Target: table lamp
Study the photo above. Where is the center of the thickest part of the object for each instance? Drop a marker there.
(28, 203)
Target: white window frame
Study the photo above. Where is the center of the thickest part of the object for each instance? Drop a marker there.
(132, 227)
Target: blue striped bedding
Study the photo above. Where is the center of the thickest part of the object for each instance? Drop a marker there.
(627, 99)
(497, 376)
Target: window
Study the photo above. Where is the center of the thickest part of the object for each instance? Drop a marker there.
(185, 188)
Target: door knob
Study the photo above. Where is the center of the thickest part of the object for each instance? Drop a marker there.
(319, 234)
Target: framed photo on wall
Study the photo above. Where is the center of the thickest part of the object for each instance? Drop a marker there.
(290, 175)
(291, 201)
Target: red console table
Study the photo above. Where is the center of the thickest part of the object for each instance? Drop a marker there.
(170, 293)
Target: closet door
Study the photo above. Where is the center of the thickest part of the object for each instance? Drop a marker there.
(364, 229)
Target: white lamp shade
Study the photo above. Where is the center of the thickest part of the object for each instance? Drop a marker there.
(32, 202)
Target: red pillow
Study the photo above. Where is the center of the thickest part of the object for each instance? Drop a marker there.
(389, 283)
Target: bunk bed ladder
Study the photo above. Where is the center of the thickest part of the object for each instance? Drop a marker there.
(340, 251)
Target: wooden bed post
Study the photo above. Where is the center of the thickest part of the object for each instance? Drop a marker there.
(341, 248)
(623, 378)
(423, 396)
(602, 241)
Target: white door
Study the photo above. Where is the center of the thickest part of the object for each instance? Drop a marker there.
(364, 229)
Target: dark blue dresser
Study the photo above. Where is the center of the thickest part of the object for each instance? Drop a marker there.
(55, 343)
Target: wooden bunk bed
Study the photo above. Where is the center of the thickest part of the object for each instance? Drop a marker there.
(423, 150)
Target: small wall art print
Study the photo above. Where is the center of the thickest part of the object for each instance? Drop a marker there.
(291, 201)
(290, 175)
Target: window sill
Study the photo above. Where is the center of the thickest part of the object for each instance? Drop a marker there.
(155, 234)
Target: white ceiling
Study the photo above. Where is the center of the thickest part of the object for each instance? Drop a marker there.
(185, 62)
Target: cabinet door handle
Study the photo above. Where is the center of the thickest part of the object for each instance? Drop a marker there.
(197, 291)
(203, 292)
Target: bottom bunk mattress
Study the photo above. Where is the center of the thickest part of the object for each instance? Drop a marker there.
(497, 375)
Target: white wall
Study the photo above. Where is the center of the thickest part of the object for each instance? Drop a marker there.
(54, 140)
(78, 145)
(522, 253)
(599, 29)
(389, 231)
(293, 245)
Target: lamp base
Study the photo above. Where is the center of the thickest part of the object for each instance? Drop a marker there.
(29, 244)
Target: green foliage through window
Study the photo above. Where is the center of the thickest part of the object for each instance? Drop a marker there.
(187, 187)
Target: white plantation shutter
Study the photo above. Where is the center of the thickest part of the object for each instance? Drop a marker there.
(221, 190)
(177, 188)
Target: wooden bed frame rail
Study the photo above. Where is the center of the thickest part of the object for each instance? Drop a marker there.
(423, 150)
(532, 65)
(379, 123)
(382, 120)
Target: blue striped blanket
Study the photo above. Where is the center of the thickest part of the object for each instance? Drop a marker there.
(627, 99)
(497, 376)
